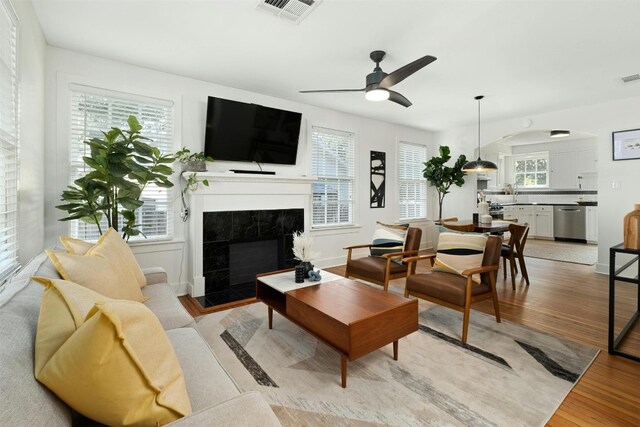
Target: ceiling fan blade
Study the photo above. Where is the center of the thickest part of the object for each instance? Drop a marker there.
(399, 99)
(403, 72)
(332, 90)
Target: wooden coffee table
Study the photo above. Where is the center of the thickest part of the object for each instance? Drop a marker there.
(352, 318)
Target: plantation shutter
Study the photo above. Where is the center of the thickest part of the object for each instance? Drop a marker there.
(8, 141)
(413, 185)
(94, 110)
(333, 166)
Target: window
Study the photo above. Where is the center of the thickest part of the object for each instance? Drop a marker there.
(94, 110)
(333, 165)
(531, 170)
(413, 185)
(8, 141)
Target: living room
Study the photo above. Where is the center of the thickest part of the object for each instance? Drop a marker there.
(74, 44)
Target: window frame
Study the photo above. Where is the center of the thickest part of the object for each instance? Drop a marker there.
(421, 182)
(69, 84)
(9, 241)
(329, 178)
(542, 155)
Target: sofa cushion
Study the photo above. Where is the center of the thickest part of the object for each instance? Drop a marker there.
(388, 239)
(207, 382)
(75, 246)
(99, 274)
(63, 310)
(166, 306)
(113, 247)
(119, 368)
(24, 400)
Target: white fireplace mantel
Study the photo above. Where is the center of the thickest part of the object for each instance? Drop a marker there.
(229, 191)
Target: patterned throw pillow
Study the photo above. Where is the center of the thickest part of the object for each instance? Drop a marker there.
(458, 252)
(388, 239)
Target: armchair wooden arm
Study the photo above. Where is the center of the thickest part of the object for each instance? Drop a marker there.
(478, 270)
(358, 246)
(397, 254)
(419, 258)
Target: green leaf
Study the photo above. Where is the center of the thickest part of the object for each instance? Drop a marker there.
(134, 125)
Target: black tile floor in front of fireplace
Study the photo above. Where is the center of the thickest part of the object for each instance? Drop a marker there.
(237, 245)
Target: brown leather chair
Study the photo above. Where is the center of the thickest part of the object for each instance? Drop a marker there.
(515, 250)
(456, 291)
(381, 269)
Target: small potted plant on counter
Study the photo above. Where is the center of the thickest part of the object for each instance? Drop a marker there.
(193, 162)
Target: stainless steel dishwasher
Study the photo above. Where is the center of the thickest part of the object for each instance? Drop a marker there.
(569, 222)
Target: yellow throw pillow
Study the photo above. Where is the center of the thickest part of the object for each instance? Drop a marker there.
(110, 246)
(75, 246)
(101, 275)
(119, 368)
(63, 309)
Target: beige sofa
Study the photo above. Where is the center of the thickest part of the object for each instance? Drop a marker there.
(214, 396)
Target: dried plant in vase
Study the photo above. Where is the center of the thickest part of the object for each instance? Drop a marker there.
(303, 250)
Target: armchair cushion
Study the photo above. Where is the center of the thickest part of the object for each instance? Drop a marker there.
(374, 267)
(444, 286)
(388, 239)
(459, 252)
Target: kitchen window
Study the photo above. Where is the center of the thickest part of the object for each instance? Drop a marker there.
(532, 170)
(412, 192)
(333, 165)
(94, 110)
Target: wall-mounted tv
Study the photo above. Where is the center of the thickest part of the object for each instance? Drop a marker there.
(241, 132)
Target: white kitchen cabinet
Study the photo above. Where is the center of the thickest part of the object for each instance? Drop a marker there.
(543, 222)
(587, 161)
(592, 224)
(564, 170)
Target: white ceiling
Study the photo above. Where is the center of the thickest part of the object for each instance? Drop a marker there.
(526, 57)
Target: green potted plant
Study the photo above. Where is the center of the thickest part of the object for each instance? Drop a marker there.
(193, 162)
(442, 177)
(122, 165)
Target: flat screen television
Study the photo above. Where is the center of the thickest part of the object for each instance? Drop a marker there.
(241, 132)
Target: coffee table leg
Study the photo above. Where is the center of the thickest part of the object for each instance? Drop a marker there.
(343, 363)
(395, 350)
(270, 318)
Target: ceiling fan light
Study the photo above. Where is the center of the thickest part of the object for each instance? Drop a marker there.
(559, 133)
(479, 166)
(377, 95)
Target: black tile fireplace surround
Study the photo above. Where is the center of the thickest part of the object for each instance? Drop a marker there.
(237, 245)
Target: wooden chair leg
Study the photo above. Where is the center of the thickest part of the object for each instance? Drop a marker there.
(496, 305)
(512, 264)
(523, 268)
(504, 267)
(467, 309)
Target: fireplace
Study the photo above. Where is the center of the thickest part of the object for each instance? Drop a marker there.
(237, 245)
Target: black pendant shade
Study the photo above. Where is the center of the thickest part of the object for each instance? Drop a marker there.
(479, 165)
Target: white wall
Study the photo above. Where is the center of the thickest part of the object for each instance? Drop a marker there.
(31, 65)
(600, 120)
(190, 97)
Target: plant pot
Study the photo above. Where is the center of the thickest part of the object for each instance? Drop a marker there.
(632, 229)
(195, 166)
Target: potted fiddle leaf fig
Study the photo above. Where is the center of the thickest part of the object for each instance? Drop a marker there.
(121, 166)
(442, 177)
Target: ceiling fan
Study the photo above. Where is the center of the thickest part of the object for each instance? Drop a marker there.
(378, 82)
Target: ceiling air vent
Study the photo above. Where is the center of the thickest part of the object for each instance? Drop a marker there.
(291, 10)
(631, 78)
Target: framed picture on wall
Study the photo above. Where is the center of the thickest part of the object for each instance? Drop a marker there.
(626, 144)
(378, 168)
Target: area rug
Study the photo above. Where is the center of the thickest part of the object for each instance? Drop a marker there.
(506, 375)
(577, 253)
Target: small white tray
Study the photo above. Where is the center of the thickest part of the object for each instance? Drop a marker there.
(283, 282)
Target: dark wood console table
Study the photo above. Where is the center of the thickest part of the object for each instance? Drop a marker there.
(615, 275)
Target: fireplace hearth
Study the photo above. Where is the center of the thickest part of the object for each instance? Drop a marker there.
(237, 245)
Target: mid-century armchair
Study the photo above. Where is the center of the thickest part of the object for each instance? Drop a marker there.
(458, 291)
(381, 269)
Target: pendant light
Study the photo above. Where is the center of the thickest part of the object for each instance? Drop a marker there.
(479, 165)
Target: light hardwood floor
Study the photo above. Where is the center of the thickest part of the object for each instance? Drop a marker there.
(571, 300)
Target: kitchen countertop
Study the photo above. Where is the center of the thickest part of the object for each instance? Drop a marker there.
(548, 204)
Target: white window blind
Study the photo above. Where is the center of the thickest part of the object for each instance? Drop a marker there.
(333, 166)
(8, 141)
(413, 185)
(94, 110)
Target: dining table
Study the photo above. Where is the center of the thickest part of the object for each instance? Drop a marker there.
(495, 227)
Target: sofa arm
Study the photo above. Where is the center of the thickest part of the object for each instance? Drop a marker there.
(155, 275)
(247, 410)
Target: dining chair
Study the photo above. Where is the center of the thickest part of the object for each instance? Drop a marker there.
(459, 291)
(381, 269)
(465, 228)
(513, 250)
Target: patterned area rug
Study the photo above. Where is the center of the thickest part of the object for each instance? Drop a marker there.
(577, 253)
(506, 375)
